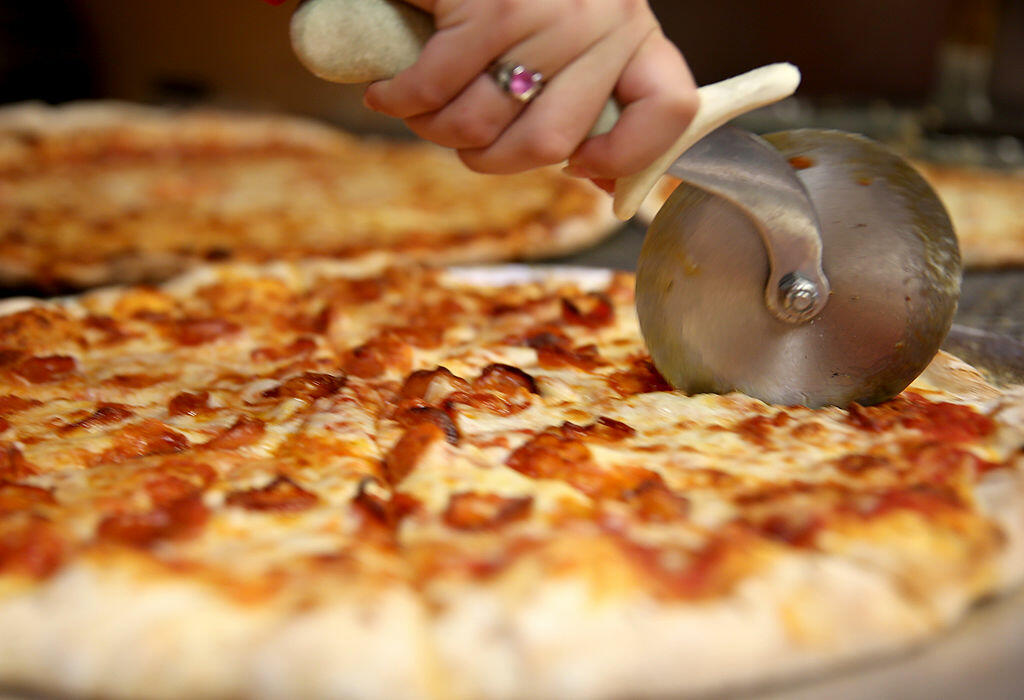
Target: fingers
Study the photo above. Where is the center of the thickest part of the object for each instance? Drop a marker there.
(467, 41)
(586, 50)
(481, 112)
(659, 99)
(551, 129)
(474, 119)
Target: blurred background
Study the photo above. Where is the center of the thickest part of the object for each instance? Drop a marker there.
(941, 80)
(939, 74)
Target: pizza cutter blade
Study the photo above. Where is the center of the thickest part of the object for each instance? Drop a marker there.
(809, 267)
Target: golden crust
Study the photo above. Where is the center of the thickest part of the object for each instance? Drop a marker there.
(100, 193)
(272, 459)
(985, 206)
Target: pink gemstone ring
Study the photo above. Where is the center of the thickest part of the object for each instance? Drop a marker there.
(517, 81)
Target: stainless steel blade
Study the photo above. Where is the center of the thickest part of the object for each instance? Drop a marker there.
(888, 251)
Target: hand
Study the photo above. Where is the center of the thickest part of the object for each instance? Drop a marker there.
(587, 50)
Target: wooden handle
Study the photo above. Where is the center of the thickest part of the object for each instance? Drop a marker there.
(356, 41)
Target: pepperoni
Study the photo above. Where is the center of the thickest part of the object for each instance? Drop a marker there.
(243, 432)
(197, 331)
(641, 378)
(308, 386)
(404, 455)
(653, 500)
(546, 338)
(857, 464)
(13, 464)
(4, 425)
(942, 463)
(553, 456)
(164, 489)
(387, 513)
(598, 311)
(8, 356)
(415, 415)
(373, 358)
(492, 403)
(32, 548)
(137, 381)
(938, 419)
(302, 347)
(794, 527)
(150, 437)
(416, 384)
(561, 453)
(110, 328)
(42, 370)
(758, 429)
(189, 404)
(484, 511)
(604, 429)
(354, 291)
(16, 498)
(282, 495)
(585, 357)
(927, 499)
(504, 379)
(10, 403)
(178, 519)
(105, 414)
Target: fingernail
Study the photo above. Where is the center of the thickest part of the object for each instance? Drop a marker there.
(578, 171)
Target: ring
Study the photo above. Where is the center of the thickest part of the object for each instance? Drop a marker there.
(517, 81)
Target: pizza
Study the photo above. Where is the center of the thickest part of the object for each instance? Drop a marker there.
(355, 479)
(985, 205)
(94, 193)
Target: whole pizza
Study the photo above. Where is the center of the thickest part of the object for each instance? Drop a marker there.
(96, 193)
(331, 479)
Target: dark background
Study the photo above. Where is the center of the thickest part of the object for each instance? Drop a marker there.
(960, 62)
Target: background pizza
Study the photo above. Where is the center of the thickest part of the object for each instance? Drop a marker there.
(94, 193)
(985, 205)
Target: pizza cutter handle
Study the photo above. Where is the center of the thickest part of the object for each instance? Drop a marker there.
(354, 41)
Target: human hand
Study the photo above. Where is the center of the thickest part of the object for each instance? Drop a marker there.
(586, 49)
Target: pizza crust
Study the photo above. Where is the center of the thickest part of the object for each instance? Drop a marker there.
(121, 632)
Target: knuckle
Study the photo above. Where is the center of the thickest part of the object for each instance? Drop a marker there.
(682, 106)
(549, 147)
(478, 162)
(473, 130)
(426, 95)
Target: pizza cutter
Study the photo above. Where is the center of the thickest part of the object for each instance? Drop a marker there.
(808, 267)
